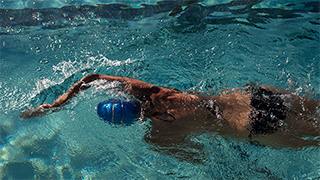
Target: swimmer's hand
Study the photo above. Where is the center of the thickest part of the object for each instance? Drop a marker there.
(44, 109)
(37, 111)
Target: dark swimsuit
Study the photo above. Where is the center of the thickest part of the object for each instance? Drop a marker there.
(267, 114)
(268, 111)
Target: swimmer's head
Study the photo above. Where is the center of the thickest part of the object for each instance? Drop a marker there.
(119, 112)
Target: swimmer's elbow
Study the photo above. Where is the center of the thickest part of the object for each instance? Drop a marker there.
(91, 77)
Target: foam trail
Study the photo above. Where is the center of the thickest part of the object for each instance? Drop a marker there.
(68, 68)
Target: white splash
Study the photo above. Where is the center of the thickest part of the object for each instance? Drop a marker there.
(44, 84)
(68, 68)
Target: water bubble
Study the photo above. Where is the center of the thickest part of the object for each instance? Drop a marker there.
(37, 49)
(38, 68)
(9, 138)
(44, 61)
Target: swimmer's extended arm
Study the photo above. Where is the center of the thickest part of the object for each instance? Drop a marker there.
(131, 86)
(135, 87)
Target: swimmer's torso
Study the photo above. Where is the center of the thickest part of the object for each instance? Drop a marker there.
(240, 113)
(225, 114)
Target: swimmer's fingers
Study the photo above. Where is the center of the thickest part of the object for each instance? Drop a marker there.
(35, 112)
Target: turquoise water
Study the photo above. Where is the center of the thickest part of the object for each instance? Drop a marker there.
(209, 45)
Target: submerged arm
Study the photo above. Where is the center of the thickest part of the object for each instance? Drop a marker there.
(135, 87)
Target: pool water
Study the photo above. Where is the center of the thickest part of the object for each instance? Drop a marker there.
(202, 46)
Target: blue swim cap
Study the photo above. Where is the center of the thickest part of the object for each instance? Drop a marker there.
(118, 111)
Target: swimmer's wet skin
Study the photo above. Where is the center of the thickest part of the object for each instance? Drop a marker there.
(265, 115)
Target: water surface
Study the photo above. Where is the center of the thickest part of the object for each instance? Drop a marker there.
(200, 46)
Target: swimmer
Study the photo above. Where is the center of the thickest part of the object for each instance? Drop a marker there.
(263, 115)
